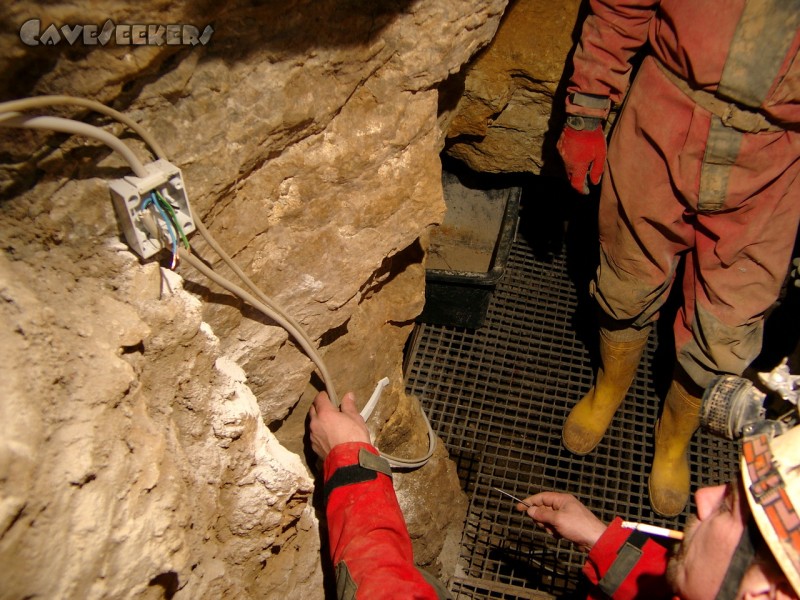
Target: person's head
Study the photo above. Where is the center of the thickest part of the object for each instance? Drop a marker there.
(744, 542)
(713, 539)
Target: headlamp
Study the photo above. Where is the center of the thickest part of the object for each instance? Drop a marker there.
(733, 407)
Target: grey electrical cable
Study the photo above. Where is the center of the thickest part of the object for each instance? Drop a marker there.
(276, 314)
(270, 309)
(24, 104)
(75, 127)
(405, 463)
(206, 235)
(297, 330)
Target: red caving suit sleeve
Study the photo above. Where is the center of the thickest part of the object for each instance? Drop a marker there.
(691, 39)
(611, 35)
(626, 564)
(369, 542)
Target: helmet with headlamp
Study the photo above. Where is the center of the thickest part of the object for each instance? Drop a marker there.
(733, 407)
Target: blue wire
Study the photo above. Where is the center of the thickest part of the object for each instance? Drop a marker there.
(152, 200)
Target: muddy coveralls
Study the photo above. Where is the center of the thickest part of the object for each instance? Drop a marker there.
(369, 542)
(703, 166)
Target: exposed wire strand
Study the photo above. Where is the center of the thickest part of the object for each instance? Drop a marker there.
(75, 127)
(24, 104)
(172, 236)
(151, 201)
(175, 220)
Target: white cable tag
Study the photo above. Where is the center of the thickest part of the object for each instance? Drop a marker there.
(373, 400)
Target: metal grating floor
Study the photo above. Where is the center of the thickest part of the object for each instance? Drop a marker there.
(498, 396)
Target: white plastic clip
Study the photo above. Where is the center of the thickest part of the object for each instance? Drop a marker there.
(373, 400)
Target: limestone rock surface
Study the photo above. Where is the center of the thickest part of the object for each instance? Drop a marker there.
(509, 115)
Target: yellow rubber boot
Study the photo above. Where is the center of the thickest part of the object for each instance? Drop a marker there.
(620, 353)
(670, 474)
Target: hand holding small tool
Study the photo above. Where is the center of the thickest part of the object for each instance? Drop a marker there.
(564, 516)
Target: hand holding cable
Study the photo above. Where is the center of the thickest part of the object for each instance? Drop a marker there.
(582, 147)
(328, 426)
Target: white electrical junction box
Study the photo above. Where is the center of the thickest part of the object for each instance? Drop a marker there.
(131, 192)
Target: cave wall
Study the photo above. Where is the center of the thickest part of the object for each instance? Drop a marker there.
(152, 424)
(509, 105)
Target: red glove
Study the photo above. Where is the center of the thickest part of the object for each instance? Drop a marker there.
(582, 151)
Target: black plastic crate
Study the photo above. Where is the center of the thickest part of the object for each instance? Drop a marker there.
(469, 251)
